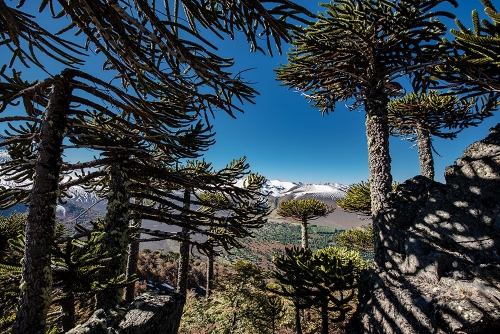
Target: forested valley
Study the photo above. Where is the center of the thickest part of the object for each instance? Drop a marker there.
(147, 120)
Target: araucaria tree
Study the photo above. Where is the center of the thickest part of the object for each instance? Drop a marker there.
(356, 51)
(326, 279)
(304, 210)
(474, 54)
(423, 115)
(159, 77)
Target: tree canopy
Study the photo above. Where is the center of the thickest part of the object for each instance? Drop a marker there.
(304, 210)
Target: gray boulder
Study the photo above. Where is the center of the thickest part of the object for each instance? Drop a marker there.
(440, 270)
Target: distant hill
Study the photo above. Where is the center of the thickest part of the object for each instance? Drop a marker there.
(82, 206)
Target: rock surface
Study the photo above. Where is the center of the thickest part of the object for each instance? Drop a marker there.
(441, 268)
(149, 313)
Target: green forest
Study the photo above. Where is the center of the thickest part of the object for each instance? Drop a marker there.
(147, 115)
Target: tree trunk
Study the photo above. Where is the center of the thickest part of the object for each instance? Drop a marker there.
(379, 160)
(182, 273)
(68, 308)
(36, 283)
(324, 317)
(133, 257)
(298, 327)
(424, 142)
(305, 235)
(115, 240)
(210, 272)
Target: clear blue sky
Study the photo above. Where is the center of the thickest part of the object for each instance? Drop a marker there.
(284, 138)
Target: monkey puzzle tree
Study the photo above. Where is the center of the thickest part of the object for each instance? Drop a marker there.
(304, 210)
(325, 279)
(144, 50)
(423, 115)
(356, 51)
(358, 199)
(471, 67)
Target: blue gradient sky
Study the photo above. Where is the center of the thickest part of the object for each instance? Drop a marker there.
(284, 138)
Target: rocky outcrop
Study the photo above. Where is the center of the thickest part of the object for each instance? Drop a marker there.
(149, 313)
(440, 270)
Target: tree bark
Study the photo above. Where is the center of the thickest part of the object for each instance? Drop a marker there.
(133, 257)
(379, 160)
(424, 142)
(210, 272)
(305, 234)
(182, 273)
(68, 308)
(115, 240)
(298, 326)
(324, 317)
(36, 283)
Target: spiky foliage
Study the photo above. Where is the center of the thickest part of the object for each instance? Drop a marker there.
(419, 116)
(325, 279)
(10, 227)
(473, 64)
(168, 76)
(357, 50)
(75, 265)
(304, 210)
(358, 198)
(357, 239)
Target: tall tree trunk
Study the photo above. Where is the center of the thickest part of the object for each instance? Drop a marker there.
(133, 257)
(68, 308)
(305, 234)
(424, 142)
(379, 160)
(324, 317)
(36, 283)
(115, 240)
(210, 271)
(298, 326)
(182, 273)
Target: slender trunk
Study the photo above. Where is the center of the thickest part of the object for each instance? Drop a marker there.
(182, 273)
(324, 317)
(379, 160)
(425, 151)
(133, 257)
(210, 272)
(36, 283)
(298, 327)
(305, 235)
(68, 308)
(115, 240)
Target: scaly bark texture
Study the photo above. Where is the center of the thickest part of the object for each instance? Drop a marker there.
(305, 235)
(36, 284)
(424, 142)
(182, 273)
(210, 272)
(379, 161)
(133, 257)
(324, 317)
(115, 240)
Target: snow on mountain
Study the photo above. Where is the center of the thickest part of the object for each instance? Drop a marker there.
(320, 191)
(4, 156)
(76, 194)
(294, 190)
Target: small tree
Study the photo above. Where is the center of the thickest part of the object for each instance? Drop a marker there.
(357, 239)
(358, 198)
(320, 279)
(423, 115)
(304, 210)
